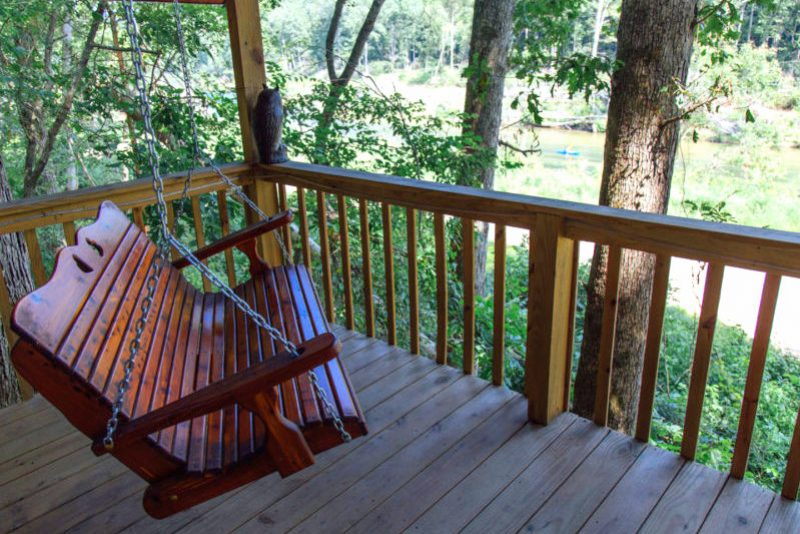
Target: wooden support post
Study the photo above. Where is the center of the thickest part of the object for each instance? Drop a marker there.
(344, 238)
(468, 243)
(499, 330)
(413, 284)
(549, 295)
(605, 358)
(366, 268)
(247, 52)
(388, 262)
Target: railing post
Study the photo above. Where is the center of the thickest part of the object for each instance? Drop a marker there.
(549, 302)
(244, 25)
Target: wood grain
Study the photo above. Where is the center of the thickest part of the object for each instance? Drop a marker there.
(304, 236)
(499, 307)
(225, 229)
(605, 358)
(702, 359)
(366, 268)
(468, 257)
(755, 375)
(347, 277)
(652, 349)
(441, 288)
(413, 280)
(325, 256)
(388, 269)
(35, 256)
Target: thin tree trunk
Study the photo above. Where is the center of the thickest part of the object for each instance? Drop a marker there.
(340, 81)
(599, 20)
(655, 45)
(488, 60)
(14, 263)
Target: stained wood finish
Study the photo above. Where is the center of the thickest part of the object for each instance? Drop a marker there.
(791, 480)
(171, 222)
(739, 246)
(138, 217)
(200, 235)
(499, 311)
(468, 255)
(347, 277)
(441, 288)
(69, 232)
(469, 462)
(755, 374)
(24, 214)
(188, 424)
(305, 246)
(413, 280)
(325, 255)
(549, 302)
(225, 229)
(702, 359)
(366, 268)
(35, 255)
(605, 357)
(652, 349)
(283, 205)
(388, 265)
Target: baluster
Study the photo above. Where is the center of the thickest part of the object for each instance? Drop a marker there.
(573, 301)
(468, 241)
(755, 374)
(499, 330)
(69, 232)
(35, 254)
(325, 253)
(441, 288)
(658, 303)
(284, 206)
(388, 253)
(366, 266)
(200, 235)
(171, 223)
(549, 302)
(138, 218)
(225, 228)
(791, 480)
(605, 358)
(702, 358)
(413, 284)
(306, 247)
(346, 274)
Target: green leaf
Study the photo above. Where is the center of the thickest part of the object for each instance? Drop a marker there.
(748, 116)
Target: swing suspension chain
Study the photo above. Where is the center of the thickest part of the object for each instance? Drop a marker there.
(319, 391)
(165, 239)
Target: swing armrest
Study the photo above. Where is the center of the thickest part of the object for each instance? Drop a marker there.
(237, 238)
(239, 387)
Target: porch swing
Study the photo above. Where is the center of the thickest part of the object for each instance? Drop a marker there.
(198, 393)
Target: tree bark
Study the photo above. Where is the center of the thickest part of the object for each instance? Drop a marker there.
(655, 45)
(14, 263)
(492, 24)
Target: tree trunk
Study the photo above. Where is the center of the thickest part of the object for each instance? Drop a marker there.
(340, 81)
(488, 64)
(15, 266)
(654, 43)
(599, 20)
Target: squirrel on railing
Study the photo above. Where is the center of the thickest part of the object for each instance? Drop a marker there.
(268, 126)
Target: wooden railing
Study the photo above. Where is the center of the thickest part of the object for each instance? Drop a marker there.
(556, 229)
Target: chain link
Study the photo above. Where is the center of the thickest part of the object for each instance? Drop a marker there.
(242, 196)
(166, 238)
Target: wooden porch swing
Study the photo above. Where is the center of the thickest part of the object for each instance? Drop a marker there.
(227, 387)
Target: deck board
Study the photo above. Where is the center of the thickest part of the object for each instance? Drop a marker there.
(445, 453)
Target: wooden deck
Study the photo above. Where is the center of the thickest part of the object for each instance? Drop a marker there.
(446, 452)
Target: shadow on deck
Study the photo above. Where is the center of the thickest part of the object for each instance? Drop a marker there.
(446, 453)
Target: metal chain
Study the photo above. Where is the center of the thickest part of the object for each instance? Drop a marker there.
(166, 238)
(319, 392)
(198, 155)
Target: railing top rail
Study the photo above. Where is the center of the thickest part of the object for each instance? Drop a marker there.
(736, 245)
(28, 213)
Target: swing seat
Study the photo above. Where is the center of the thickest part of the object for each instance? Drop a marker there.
(213, 403)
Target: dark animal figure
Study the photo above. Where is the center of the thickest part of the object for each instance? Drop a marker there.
(268, 126)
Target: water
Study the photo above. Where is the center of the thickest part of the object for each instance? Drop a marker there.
(759, 185)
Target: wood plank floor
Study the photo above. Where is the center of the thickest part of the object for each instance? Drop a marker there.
(445, 453)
